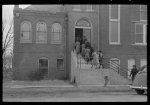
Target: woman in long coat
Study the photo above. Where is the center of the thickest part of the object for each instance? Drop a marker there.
(95, 59)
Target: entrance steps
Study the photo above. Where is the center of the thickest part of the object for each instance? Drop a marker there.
(91, 77)
(85, 75)
(116, 79)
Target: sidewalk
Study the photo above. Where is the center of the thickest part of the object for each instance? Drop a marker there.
(56, 84)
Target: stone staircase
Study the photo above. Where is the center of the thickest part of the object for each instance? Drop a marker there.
(85, 75)
(116, 79)
(88, 75)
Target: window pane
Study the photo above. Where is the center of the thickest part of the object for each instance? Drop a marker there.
(56, 27)
(83, 23)
(41, 36)
(60, 63)
(139, 28)
(26, 35)
(114, 11)
(56, 36)
(26, 27)
(56, 33)
(41, 27)
(139, 38)
(114, 31)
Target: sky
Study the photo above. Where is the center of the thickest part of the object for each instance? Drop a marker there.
(7, 12)
(7, 16)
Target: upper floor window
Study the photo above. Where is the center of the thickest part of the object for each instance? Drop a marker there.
(143, 12)
(77, 8)
(114, 24)
(41, 35)
(140, 33)
(56, 33)
(89, 8)
(26, 32)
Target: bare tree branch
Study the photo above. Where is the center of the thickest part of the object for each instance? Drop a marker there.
(8, 38)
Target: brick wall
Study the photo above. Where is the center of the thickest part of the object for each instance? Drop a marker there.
(26, 55)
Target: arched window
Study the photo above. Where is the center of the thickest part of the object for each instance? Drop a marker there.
(41, 35)
(83, 23)
(56, 33)
(26, 32)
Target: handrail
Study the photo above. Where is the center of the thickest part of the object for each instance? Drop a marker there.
(113, 67)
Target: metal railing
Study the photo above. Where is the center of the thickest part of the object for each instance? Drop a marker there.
(106, 64)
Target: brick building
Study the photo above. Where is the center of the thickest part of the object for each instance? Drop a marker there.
(44, 36)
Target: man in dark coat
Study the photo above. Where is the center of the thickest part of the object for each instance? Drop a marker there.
(134, 71)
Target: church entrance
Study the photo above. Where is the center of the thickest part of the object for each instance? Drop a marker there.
(83, 28)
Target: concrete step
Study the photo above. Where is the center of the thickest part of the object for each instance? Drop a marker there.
(91, 77)
(117, 79)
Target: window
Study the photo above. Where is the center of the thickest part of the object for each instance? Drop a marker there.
(143, 12)
(56, 33)
(143, 62)
(140, 33)
(114, 24)
(60, 64)
(115, 64)
(83, 23)
(26, 32)
(41, 36)
(76, 8)
(43, 65)
(89, 8)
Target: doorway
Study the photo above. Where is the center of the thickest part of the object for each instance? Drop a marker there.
(78, 34)
(83, 28)
(43, 68)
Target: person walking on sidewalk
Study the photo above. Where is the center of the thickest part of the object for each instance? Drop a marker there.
(134, 71)
(105, 73)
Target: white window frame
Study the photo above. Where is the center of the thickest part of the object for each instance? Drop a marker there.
(140, 13)
(76, 7)
(144, 34)
(63, 64)
(30, 35)
(89, 8)
(114, 20)
(60, 35)
(112, 59)
(37, 37)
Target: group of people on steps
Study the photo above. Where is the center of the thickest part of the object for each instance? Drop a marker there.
(84, 48)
